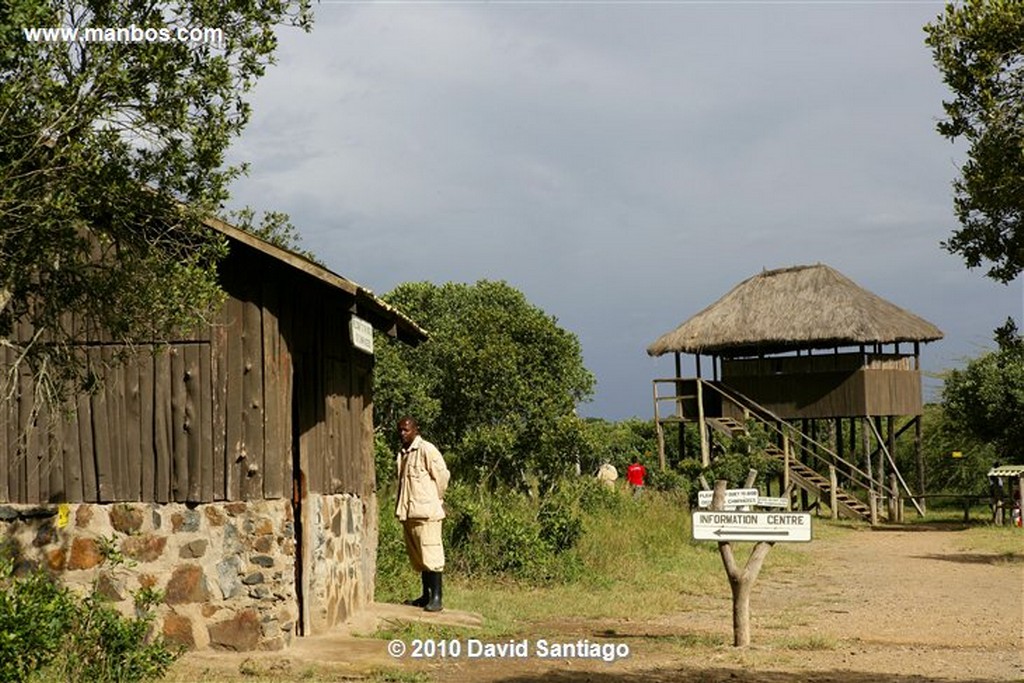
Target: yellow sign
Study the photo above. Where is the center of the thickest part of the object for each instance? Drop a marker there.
(63, 512)
(958, 454)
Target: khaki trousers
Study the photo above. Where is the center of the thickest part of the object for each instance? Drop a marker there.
(423, 543)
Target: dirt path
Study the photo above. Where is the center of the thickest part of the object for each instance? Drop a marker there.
(906, 606)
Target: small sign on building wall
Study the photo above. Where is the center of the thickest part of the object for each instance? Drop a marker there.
(361, 333)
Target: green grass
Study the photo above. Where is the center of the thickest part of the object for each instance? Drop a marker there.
(808, 643)
(638, 560)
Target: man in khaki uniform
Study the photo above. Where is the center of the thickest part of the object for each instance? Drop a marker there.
(422, 482)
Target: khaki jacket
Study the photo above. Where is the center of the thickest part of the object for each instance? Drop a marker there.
(422, 481)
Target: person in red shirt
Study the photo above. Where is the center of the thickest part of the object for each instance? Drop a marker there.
(635, 474)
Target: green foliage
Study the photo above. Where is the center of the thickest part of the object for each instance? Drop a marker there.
(111, 154)
(499, 533)
(47, 630)
(274, 227)
(495, 387)
(34, 613)
(618, 443)
(978, 45)
(668, 480)
(946, 474)
(104, 645)
(985, 400)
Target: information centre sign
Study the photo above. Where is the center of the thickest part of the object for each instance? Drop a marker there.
(709, 525)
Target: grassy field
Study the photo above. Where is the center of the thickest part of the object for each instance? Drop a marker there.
(637, 559)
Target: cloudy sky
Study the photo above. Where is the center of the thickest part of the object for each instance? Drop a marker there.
(624, 164)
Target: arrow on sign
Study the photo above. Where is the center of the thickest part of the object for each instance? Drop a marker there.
(744, 532)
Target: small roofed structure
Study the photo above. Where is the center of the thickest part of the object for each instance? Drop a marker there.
(799, 343)
(1006, 482)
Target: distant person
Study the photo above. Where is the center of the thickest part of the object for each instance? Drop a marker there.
(422, 482)
(995, 482)
(635, 474)
(607, 474)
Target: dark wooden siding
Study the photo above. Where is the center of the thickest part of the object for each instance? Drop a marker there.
(834, 385)
(140, 437)
(210, 416)
(335, 393)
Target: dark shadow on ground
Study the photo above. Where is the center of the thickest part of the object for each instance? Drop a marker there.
(976, 558)
(688, 674)
(942, 525)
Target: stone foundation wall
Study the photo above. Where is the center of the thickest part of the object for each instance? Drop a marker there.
(227, 569)
(342, 558)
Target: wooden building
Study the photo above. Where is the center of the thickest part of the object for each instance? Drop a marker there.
(262, 419)
(809, 353)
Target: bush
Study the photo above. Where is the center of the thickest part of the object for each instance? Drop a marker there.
(35, 613)
(668, 480)
(496, 533)
(47, 630)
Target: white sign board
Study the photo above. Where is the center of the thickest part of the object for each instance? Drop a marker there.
(733, 497)
(751, 526)
(766, 502)
(362, 334)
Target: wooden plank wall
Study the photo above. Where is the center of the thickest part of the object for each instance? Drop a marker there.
(209, 417)
(140, 437)
(335, 402)
(834, 394)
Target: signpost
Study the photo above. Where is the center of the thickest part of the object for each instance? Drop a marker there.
(726, 524)
(774, 527)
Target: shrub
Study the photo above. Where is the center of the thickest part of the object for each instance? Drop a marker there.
(49, 631)
(495, 533)
(560, 525)
(668, 480)
(34, 617)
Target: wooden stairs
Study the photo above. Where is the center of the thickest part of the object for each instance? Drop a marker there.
(804, 477)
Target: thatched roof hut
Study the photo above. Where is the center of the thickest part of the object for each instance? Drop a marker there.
(801, 307)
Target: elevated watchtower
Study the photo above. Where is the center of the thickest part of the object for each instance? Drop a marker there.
(816, 359)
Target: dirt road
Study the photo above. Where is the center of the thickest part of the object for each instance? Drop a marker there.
(906, 606)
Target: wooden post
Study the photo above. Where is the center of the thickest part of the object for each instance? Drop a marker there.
(833, 496)
(873, 503)
(882, 477)
(894, 497)
(679, 408)
(785, 460)
(659, 430)
(741, 581)
(921, 482)
(867, 454)
(705, 450)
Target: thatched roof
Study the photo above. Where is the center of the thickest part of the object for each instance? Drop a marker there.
(802, 307)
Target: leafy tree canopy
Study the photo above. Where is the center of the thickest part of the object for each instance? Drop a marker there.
(985, 400)
(496, 385)
(978, 45)
(111, 153)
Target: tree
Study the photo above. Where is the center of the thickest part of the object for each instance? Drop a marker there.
(985, 400)
(111, 154)
(978, 45)
(495, 386)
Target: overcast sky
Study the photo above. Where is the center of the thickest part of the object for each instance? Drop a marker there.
(624, 164)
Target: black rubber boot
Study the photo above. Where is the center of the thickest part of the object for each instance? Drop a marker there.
(425, 598)
(434, 581)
